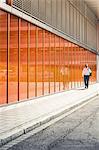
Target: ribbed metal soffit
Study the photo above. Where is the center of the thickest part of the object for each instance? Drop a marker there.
(94, 5)
(26, 5)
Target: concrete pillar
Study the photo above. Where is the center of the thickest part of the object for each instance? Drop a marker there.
(97, 68)
(9, 2)
(98, 52)
(2, 1)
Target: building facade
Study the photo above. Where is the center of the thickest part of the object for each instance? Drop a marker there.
(44, 45)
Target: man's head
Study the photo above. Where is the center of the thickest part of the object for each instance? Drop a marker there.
(86, 65)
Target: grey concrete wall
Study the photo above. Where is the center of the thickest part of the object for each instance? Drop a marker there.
(98, 36)
(72, 17)
(98, 52)
(97, 68)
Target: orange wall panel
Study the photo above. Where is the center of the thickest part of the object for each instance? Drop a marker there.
(3, 57)
(37, 62)
(13, 61)
(23, 60)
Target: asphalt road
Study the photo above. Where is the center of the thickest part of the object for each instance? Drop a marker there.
(78, 131)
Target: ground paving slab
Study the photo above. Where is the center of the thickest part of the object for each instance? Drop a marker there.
(20, 118)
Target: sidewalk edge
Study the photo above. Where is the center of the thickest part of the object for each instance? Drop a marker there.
(22, 129)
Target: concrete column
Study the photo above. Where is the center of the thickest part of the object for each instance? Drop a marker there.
(3, 1)
(97, 68)
(9, 2)
(98, 52)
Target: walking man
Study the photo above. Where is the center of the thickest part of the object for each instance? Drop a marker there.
(86, 73)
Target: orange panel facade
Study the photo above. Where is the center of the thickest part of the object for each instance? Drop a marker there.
(36, 62)
(3, 57)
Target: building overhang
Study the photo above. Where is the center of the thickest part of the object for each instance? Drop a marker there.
(45, 26)
(94, 5)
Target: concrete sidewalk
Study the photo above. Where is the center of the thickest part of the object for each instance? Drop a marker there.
(20, 118)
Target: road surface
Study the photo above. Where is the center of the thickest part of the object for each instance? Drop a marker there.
(78, 131)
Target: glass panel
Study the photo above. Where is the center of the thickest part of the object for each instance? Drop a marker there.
(46, 62)
(76, 69)
(52, 60)
(49, 62)
(86, 60)
(13, 61)
(70, 64)
(3, 57)
(74, 61)
(57, 67)
(79, 71)
(23, 60)
(81, 49)
(66, 69)
(82, 64)
(84, 56)
(78, 66)
(95, 67)
(62, 66)
(40, 62)
(32, 67)
(90, 65)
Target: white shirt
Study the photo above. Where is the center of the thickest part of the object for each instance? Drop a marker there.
(86, 71)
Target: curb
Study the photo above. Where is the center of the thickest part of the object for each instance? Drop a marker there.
(33, 125)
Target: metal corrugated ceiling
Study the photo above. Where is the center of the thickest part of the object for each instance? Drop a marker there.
(94, 5)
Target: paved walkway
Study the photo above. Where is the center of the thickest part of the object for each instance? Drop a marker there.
(19, 118)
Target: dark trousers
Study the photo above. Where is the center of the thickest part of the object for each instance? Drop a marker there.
(86, 81)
